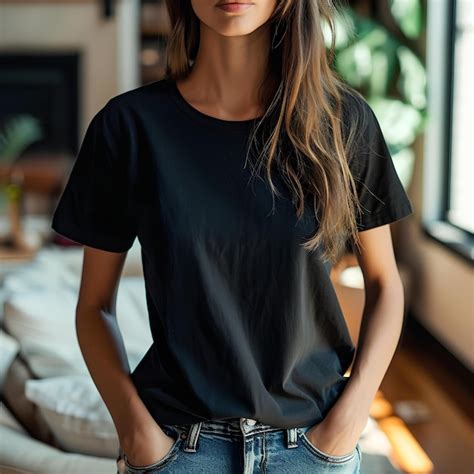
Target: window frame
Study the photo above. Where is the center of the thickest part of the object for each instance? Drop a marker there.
(441, 35)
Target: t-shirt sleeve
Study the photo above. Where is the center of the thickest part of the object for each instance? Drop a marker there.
(97, 206)
(381, 194)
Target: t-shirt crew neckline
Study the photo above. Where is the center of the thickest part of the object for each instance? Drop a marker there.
(209, 119)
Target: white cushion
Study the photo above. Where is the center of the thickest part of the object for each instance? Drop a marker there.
(20, 453)
(58, 267)
(43, 321)
(76, 414)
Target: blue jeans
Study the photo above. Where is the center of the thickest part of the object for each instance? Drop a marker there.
(244, 446)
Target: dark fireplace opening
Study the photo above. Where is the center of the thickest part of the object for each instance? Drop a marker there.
(45, 86)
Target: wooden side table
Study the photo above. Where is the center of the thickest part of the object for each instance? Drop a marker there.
(25, 225)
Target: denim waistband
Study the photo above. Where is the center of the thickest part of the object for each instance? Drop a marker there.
(234, 426)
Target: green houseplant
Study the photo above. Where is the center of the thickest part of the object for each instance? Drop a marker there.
(377, 54)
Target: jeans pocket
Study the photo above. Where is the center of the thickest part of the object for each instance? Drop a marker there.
(164, 461)
(329, 458)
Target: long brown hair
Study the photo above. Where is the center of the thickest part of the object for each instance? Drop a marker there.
(307, 110)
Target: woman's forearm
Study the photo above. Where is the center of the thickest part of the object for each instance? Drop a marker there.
(379, 334)
(104, 352)
(378, 338)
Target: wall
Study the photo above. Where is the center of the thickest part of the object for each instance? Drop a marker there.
(441, 296)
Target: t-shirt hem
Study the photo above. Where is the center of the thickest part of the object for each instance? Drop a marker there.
(384, 217)
(79, 236)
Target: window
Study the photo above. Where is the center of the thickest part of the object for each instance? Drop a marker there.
(460, 194)
(447, 214)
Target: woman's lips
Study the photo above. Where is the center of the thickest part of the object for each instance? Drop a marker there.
(234, 7)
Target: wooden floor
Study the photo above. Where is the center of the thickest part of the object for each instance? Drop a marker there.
(423, 370)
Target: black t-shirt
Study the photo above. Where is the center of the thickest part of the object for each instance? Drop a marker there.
(245, 321)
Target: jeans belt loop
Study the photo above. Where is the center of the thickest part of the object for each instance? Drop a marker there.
(190, 444)
(291, 438)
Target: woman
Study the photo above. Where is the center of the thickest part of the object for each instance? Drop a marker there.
(250, 347)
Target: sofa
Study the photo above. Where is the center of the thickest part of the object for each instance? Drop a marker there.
(52, 416)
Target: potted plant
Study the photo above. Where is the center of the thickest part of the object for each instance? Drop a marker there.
(18, 133)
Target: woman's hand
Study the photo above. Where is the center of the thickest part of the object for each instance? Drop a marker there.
(340, 430)
(147, 445)
(336, 435)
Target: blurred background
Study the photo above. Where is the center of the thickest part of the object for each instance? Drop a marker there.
(62, 60)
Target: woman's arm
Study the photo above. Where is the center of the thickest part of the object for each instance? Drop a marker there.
(103, 350)
(379, 334)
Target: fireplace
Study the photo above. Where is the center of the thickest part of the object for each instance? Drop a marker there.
(46, 86)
